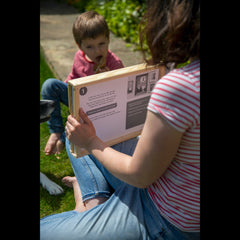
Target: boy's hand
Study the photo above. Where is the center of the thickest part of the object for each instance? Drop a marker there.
(101, 66)
(104, 69)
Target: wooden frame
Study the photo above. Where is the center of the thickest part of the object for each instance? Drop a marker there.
(112, 100)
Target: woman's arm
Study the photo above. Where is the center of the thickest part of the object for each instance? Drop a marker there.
(153, 154)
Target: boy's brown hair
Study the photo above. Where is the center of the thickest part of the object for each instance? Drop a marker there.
(89, 25)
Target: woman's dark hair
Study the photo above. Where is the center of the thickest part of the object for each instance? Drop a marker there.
(171, 30)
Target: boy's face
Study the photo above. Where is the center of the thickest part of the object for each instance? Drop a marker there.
(95, 48)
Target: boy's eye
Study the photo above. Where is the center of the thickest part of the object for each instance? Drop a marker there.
(102, 43)
(88, 47)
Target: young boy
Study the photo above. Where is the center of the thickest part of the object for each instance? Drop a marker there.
(91, 35)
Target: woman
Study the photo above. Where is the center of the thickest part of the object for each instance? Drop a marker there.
(156, 179)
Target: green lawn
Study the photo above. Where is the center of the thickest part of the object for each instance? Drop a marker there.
(55, 167)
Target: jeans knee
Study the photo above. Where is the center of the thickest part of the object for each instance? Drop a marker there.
(48, 86)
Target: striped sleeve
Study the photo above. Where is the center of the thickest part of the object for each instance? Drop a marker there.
(176, 98)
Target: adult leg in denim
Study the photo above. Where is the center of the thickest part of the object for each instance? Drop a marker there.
(173, 232)
(158, 227)
(56, 90)
(128, 214)
(126, 147)
(120, 217)
(92, 182)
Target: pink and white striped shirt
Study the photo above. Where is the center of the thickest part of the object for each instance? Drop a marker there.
(176, 194)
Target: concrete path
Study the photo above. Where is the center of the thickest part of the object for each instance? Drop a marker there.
(58, 45)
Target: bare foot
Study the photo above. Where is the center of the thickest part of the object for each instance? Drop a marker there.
(60, 146)
(68, 181)
(72, 183)
(80, 205)
(54, 144)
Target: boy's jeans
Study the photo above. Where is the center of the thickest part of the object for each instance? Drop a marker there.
(128, 214)
(56, 90)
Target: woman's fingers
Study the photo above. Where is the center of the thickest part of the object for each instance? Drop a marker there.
(72, 120)
(84, 117)
(80, 132)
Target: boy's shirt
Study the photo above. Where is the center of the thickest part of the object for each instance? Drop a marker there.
(82, 67)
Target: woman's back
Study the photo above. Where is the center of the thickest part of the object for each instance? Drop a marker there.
(177, 193)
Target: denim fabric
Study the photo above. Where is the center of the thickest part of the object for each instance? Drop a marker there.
(129, 213)
(56, 90)
(91, 180)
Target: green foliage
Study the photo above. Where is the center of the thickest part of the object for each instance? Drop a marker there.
(79, 4)
(123, 16)
(183, 64)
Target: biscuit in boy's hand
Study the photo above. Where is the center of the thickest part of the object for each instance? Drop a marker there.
(102, 64)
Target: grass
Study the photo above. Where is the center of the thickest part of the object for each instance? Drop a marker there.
(55, 167)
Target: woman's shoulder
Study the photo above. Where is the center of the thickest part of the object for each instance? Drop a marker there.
(190, 74)
(185, 79)
(176, 96)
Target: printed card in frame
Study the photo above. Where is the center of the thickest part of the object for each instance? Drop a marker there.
(115, 101)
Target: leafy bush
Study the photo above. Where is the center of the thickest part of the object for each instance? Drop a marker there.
(123, 16)
(79, 4)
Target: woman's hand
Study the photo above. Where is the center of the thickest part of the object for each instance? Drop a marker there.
(80, 133)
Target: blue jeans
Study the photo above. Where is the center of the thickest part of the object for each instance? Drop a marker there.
(129, 213)
(56, 90)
